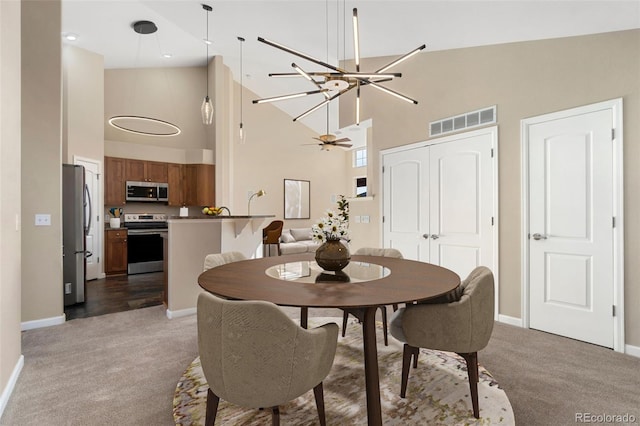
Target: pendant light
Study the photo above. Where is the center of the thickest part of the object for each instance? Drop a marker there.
(207, 107)
(242, 134)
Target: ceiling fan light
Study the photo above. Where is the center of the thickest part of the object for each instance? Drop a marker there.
(356, 39)
(284, 97)
(396, 94)
(315, 108)
(358, 106)
(372, 75)
(402, 59)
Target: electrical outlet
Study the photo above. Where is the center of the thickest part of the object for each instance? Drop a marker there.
(43, 220)
(364, 219)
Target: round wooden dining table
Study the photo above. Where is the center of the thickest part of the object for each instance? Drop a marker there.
(294, 280)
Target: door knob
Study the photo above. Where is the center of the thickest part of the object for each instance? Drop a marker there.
(539, 237)
(425, 236)
(434, 237)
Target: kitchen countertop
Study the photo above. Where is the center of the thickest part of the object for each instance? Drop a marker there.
(204, 216)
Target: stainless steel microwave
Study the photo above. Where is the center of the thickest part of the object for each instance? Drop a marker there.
(147, 191)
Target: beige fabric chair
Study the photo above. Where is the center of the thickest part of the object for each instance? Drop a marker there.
(463, 327)
(371, 251)
(219, 259)
(254, 355)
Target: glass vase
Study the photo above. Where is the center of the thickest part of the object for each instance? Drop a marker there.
(332, 255)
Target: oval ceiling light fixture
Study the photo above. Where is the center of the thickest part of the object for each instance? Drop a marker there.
(145, 126)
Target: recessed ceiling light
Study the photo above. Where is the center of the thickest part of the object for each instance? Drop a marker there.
(70, 36)
(167, 55)
(206, 41)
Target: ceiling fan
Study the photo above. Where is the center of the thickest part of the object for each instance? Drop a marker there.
(328, 141)
(337, 81)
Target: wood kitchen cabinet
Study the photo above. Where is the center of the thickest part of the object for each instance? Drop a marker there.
(176, 181)
(115, 262)
(114, 181)
(146, 171)
(199, 185)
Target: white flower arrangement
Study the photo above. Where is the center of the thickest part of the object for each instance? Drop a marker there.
(331, 227)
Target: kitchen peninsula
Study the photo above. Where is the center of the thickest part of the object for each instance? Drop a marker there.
(189, 239)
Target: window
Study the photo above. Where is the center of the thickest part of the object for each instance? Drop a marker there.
(361, 187)
(360, 157)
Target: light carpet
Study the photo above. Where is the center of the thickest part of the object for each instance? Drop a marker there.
(437, 394)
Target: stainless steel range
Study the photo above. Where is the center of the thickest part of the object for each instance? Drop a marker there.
(144, 241)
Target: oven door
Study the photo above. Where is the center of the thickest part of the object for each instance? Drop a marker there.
(144, 251)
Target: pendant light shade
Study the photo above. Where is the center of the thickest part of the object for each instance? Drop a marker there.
(207, 106)
(207, 110)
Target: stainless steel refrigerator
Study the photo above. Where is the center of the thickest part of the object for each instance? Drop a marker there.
(76, 211)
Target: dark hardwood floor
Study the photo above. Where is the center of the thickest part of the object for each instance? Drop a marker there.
(117, 294)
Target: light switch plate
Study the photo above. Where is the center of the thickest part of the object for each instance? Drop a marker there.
(43, 220)
(365, 219)
(357, 219)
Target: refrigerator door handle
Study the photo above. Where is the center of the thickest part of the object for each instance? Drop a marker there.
(88, 201)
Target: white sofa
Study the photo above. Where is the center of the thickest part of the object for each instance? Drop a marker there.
(297, 240)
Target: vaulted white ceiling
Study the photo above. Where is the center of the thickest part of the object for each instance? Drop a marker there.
(319, 28)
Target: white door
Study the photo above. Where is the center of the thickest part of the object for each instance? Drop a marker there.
(571, 264)
(439, 201)
(93, 216)
(406, 202)
(462, 200)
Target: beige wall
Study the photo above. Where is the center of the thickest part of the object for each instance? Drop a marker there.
(169, 94)
(275, 150)
(83, 104)
(523, 80)
(42, 158)
(10, 255)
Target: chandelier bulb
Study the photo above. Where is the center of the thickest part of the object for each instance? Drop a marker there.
(242, 134)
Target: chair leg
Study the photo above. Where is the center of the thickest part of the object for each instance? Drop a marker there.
(319, 394)
(383, 309)
(275, 416)
(212, 408)
(416, 353)
(345, 318)
(395, 307)
(472, 370)
(407, 351)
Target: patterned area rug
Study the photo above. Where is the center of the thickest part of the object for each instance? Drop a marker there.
(437, 394)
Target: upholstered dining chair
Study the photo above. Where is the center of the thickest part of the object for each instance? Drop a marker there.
(463, 326)
(253, 355)
(271, 236)
(372, 251)
(219, 259)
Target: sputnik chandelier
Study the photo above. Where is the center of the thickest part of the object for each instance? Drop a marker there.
(338, 81)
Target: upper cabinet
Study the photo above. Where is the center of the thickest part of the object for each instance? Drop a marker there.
(176, 181)
(114, 185)
(146, 171)
(200, 185)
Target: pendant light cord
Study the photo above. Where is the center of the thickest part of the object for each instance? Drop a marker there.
(241, 39)
(207, 43)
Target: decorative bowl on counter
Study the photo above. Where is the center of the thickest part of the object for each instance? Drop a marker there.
(215, 211)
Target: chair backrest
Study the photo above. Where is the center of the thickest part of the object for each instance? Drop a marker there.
(462, 326)
(384, 252)
(271, 233)
(218, 259)
(252, 354)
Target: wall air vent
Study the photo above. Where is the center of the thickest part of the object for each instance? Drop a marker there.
(468, 120)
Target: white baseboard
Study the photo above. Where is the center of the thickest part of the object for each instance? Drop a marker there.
(510, 320)
(45, 322)
(180, 313)
(632, 350)
(11, 384)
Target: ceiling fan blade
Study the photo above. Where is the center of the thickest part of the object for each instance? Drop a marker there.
(291, 96)
(356, 40)
(394, 93)
(318, 139)
(308, 77)
(342, 140)
(402, 58)
(299, 54)
(344, 145)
